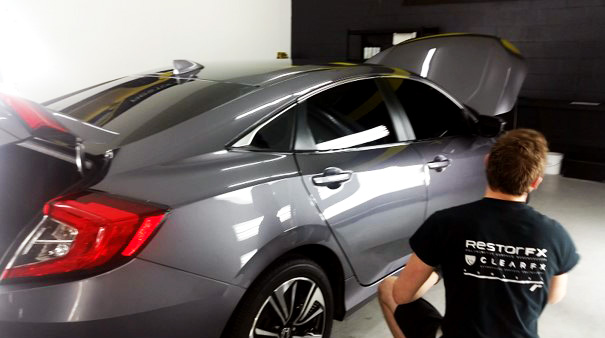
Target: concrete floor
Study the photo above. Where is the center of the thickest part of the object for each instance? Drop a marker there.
(580, 207)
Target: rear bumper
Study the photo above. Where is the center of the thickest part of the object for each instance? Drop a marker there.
(139, 299)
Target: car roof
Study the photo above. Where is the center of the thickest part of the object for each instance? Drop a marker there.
(261, 74)
(138, 106)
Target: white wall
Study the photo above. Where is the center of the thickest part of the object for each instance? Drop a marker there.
(49, 48)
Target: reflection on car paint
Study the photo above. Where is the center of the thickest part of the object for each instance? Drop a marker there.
(308, 90)
(356, 139)
(112, 102)
(387, 154)
(326, 192)
(266, 105)
(73, 314)
(241, 196)
(285, 213)
(246, 257)
(279, 157)
(262, 179)
(427, 62)
(372, 184)
(247, 229)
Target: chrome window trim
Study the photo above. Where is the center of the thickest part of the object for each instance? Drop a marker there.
(246, 140)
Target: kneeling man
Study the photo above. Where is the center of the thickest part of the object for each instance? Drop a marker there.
(501, 261)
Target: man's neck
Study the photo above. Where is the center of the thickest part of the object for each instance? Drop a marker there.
(489, 193)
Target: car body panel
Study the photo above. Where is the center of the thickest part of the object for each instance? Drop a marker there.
(377, 210)
(484, 72)
(265, 213)
(207, 136)
(136, 295)
(463, 181)
(11, 129)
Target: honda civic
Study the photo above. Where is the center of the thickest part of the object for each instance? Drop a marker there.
(209, 202)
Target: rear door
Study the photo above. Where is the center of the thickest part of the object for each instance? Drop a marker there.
(369, 187)
(441, 132)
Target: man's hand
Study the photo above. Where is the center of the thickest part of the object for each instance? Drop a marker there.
(415, 279)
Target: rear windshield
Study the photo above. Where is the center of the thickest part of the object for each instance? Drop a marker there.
(137, 107)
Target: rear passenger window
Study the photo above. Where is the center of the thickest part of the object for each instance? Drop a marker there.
(430, 113)
(277, 135)
(350, 115)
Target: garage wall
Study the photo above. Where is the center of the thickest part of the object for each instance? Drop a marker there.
(50, 48)
(564, 40)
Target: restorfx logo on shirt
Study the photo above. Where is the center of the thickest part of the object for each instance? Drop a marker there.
(505, 263)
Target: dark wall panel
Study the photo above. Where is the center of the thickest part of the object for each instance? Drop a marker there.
(563, 40)
(441, 2)
(574, 130)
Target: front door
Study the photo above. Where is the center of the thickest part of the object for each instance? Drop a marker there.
(369, 186)
(441, 132)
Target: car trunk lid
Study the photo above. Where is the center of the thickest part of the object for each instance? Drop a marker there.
(483, 72)
(42, 155)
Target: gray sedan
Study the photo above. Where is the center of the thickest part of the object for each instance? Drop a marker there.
(193, 202)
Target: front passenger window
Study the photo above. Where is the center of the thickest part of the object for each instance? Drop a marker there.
(430, 113)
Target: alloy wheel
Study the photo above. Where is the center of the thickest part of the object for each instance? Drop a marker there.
(295, 309)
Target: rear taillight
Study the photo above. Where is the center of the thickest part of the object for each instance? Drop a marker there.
(84, 231)
(32, 114)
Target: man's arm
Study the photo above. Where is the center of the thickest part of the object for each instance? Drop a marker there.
(415, 279)
(558, 288)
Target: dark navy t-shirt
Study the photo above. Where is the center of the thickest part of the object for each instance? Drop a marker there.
(497, 259)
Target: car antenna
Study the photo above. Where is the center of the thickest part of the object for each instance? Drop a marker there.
(186, 67)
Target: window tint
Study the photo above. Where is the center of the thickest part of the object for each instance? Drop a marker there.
(430, 113)
(136, 107)
(277, 135)
(349, 115)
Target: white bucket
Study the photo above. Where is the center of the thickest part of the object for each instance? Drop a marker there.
(553, 163)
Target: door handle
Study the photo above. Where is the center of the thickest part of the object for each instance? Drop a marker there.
(332, 177)
(439, 163)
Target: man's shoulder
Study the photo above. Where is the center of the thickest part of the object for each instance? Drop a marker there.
(462, 209)
(544, 220)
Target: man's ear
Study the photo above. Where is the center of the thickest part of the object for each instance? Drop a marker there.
(534, 185)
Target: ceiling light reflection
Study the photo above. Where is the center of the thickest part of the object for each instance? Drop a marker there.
(284, 74)
(247, 229)
(263, 178)
(242, 196)
(263, 106)
(246, 257)
(253, 163)
(304, 91)
(327, 193)
(352, 140)
(427, 62)
(285, 213)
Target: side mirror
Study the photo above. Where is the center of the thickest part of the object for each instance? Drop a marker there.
(490, 126)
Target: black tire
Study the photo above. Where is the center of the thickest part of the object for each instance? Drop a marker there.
(294, 275)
